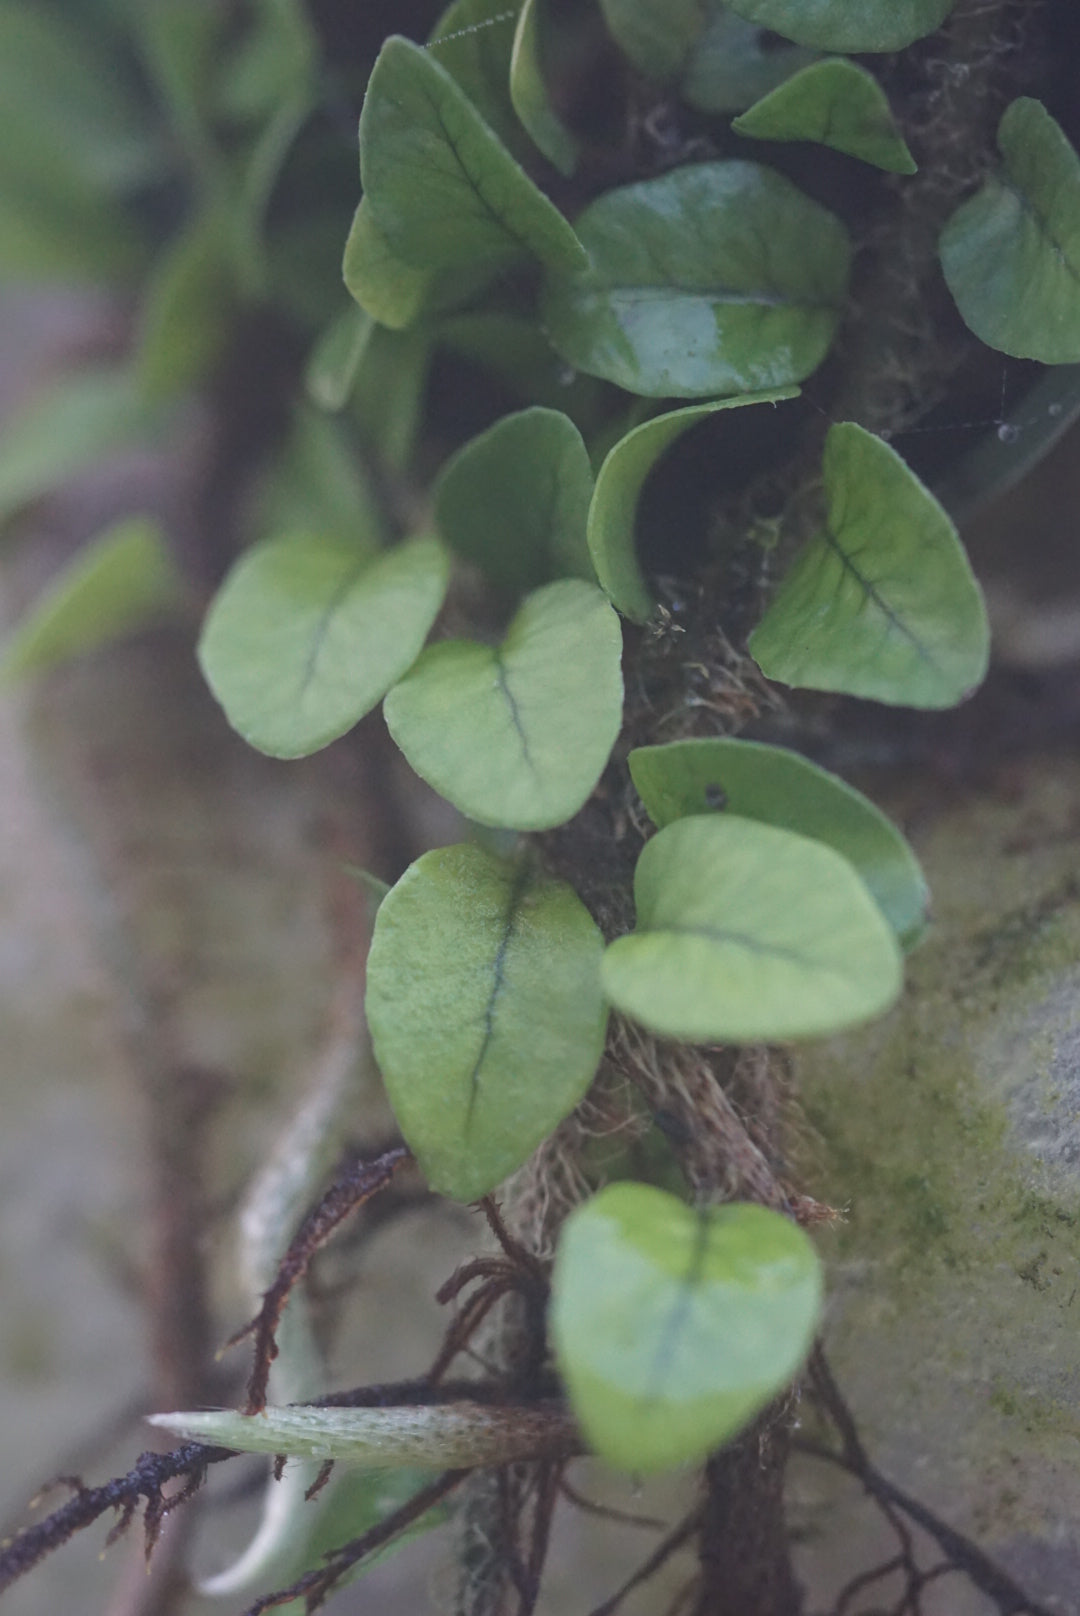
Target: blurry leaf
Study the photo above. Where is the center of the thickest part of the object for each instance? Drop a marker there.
(1009, 451)
(336, 358)
(748, 933)
(777, 787)
(122, 581)
(181, 42)
(882, 603)
(715, 278)
(276, 55)
(516, 350)
(308, 632)
(655, 34)
(518, 734)
(515, 500)
(389, 290)
(847, 25)
(484, 1002)
(837, 104)
(1011, 254)
(442, 188)
(473, 40)
(672, 1326)
(529, 92)
(388, 396)
(315, 483)
(187, 310)
(622, 476)
(734, 62)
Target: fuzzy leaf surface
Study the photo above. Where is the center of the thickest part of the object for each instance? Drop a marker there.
(673, 1326)
(882, 603)
(622, 476)
(847, 25)
(529, 92)
(485, 1008)
(1011, 254)
(715, 278)
(777, 787)
(309, 631)
(746, 932)
(515, 500)
(517, 735)
(836, 104)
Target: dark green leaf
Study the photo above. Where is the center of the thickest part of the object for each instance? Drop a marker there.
(882, 603)
(442, 188)
(484, 1002)
(777, 787)
(336, 357)
(308, 633)
(837, 104)
(389, 290)
(622, 476)
(473, 40)
(655, 34)
(847, 25)
(515, 500)
(529, 92)
(672, 1326)
(746, 932)
(517, 735)
(1011, 254)
(734, 62)
(716, 278)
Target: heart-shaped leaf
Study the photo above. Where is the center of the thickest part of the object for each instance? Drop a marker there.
(517, 735)
(673, 1327)
(882, 603)
(1011, 254)
(777, 787)
(622, 476)
(442, 189)
(715, 278)
(308, 632)
(748, 932)
(837, 104)
(484, 1002)
(847, 25)
(529, 92)
(515, 500)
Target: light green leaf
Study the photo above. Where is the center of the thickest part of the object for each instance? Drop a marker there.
(777, 787)
(389, 290)
(122, 581)
(837, 104)
(308, 633)
(473, 40)
(485, 1009)
(529, 92)
(517, 735)
(188, 309)
(622, 476)
(336, 358)
(276, 57)
(315, 483)
(672, 1326)
(715, 278)
(882, 602)
(746, 932)
(515, 500)
(442, 188)
(847, 25)
(1011, 254)
(733, 63)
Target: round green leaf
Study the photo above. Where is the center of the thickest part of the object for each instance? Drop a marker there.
(485, 1009)
(308, 632)
(777, 787)
(837, 104)
(529, 92)
(715, 278)
(1011, 255)
(847, 25)
(748, 932)
(518, 734)
(443, 190)
(515, 500)
(613, 512)
(882, 603)
(672, 1326)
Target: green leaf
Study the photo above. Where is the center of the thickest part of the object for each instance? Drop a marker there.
(733, 63)
(515, 500)
(336, 357)
(188, 309)
(485, 1009)
(746, 932)
(517, 351)
(777, 787)
(672, 1326)
(389, 290)
(715, 278)
(315, 483)
(1011, 254)
(473, 40)
(655, 34)
(118, 584)
(837, 104)
(442, 188)
(517, 735)
(308, 632)
(847, 25)
(388, 395)
(622, 476)
(529, 92)
(882, 602)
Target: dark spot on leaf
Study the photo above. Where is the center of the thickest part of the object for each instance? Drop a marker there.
(715, 796)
